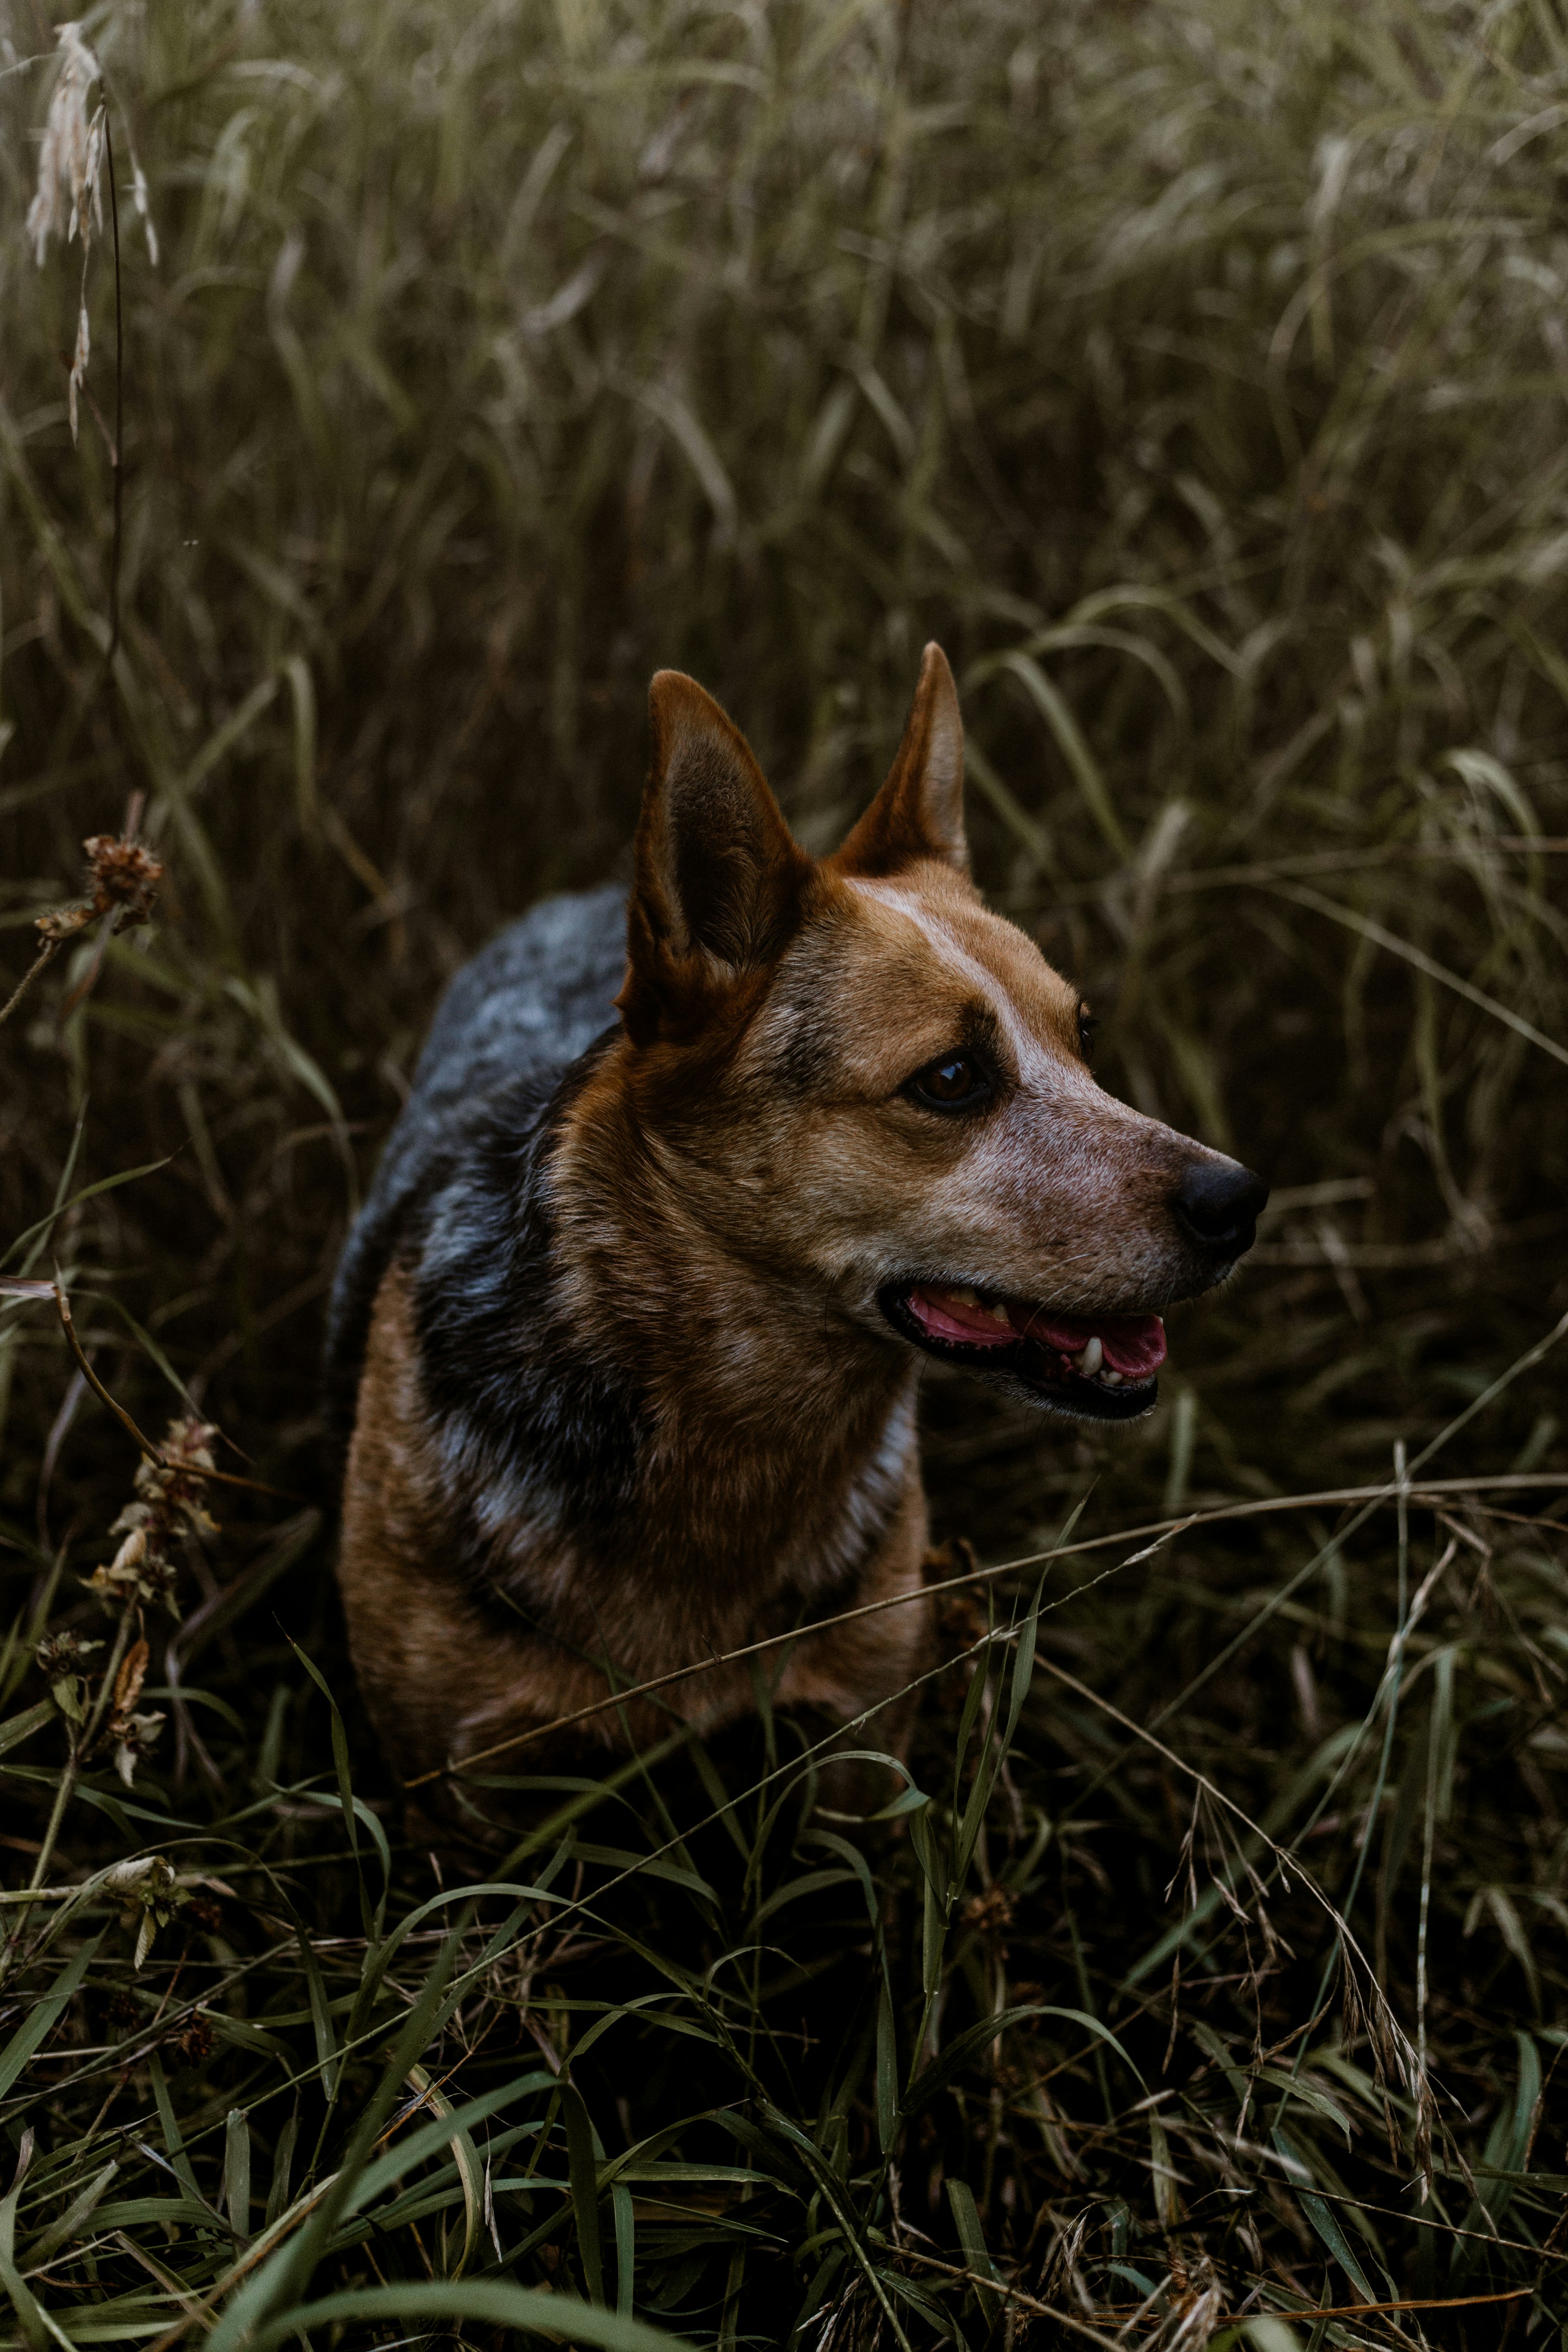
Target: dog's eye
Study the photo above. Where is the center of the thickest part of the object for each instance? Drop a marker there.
(954, 1082)
(1087, 1026)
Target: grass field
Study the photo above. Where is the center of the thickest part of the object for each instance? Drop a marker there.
(1197, 374)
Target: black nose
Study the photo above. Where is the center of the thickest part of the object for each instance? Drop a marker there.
(1219, 1203)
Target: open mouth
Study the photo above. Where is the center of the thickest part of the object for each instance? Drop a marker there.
(1097, 1367)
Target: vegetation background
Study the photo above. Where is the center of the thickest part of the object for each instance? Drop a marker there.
(1196, 372)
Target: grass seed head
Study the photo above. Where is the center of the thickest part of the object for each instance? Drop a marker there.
(81, 355)
(71, 153)
(138, 198)
(70, 164)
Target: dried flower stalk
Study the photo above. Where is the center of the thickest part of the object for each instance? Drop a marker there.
(70, 167)
(123, 878)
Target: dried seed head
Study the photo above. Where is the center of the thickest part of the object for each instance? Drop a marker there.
(80, 359)
(63, 1653)
(144, 1878)
(127, 1688)
(71, 155)
(138, 1571)
(135, 1740)
(63, 924)
(148, 1886)
(70, 163)
(123, 877)
(138, 198)
(121, 873)
(168, 1504)
(150, 1579)
(989, 1912)
(61, 1658)
(171, 1490)
(197, 2043)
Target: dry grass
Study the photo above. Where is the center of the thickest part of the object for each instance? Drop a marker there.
(1196, 374)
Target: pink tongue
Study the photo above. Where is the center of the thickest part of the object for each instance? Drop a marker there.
(947, 1318)
(1134, 1344)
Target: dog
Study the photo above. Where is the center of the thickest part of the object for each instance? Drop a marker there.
(689, 1183)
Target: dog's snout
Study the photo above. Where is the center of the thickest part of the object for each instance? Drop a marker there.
(1220, 1202)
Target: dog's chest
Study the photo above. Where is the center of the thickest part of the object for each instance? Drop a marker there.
(716, 1539)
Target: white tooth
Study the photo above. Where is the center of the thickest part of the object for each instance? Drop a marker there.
(1091, 1360)
(999, 1315)
(964, 1298)
(1110, 1379)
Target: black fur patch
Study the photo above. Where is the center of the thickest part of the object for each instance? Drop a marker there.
(526, 1422)
(536, 1427)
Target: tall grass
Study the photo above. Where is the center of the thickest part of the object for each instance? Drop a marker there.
(1196, 374)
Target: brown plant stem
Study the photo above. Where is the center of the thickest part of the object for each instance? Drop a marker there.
(154, 1453)
(46, 955)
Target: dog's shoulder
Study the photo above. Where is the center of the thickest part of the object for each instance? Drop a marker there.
(513, 1022)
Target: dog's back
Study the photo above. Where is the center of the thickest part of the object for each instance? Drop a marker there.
(514, 1020)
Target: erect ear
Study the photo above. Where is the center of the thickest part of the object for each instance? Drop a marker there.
(919, 813)
(717, 873)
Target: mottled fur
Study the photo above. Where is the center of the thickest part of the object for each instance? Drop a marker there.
(609, 1331)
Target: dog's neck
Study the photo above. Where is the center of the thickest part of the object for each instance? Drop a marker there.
(777, 1433)
(645, 1398)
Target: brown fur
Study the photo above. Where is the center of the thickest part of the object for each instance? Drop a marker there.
(739, 1172)
(439, 1683)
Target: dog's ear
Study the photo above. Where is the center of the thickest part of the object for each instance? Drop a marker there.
(919, 813)
(717, 872)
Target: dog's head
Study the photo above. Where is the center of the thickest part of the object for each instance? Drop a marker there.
(878, 1092)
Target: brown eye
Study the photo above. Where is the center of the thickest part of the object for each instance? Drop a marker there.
(1087, 1026)
(954, 1082)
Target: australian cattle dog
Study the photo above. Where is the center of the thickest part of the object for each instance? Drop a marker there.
(630, 1330)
